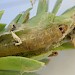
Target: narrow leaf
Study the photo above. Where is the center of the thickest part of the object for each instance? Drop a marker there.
(2, 26)
(42, 56)
(65, 46)
(19, 64)
(57, 6)
(19, 19)
(69, 12)
(24, 17)
(1, 13)
(42, 6)
(14, 21)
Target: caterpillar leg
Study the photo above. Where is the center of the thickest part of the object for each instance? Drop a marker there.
(16, 38)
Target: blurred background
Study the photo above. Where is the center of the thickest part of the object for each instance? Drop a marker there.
(64, 63)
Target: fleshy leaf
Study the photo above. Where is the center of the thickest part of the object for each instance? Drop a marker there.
(69, 12)
(57, 6)
(42, 6)
(24, 17)
(19, 64)
(2, 26)
(65, 46)
(1, 13)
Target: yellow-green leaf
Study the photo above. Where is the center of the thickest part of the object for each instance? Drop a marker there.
(57, 6)
(16, 73)
(24, 17)
(19, 64)
(1, 13)
(2, 26)
(69, 12)
(65, 46)
(42, 6)
(13, 22)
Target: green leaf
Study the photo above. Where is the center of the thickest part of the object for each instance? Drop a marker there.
(57, 6)
(1, 13)
(42, 6)
(42, 56)
(19, 64)
(24, 17)
(69, 12)
(2, 26)
(13, 22)
(17, 73)
(19, 19)
(65, 46)
(4, 72)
